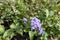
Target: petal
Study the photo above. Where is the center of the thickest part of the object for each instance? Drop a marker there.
(40, 31)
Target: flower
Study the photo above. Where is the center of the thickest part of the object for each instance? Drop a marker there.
(40, 31)
(24, 20)
(35, 23)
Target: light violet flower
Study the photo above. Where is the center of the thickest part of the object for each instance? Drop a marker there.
(35, 24)
(40, 31)
(24, 20)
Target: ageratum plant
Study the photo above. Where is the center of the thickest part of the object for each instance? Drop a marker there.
(36, 24)
(29, 19)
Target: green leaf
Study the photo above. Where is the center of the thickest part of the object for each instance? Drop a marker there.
(44, 36)
(8, 33)
(31, 34)
(13, 26)
(2, 29)
(47, 12)
(20, 31)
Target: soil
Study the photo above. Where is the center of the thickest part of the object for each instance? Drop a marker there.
(20, 37)
(24, 37)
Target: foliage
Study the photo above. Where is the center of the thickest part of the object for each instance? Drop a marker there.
(13, 11)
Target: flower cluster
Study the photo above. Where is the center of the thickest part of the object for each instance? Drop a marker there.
(24, 20)
(35, 23)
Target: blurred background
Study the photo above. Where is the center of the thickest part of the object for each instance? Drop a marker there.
(13, 11)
